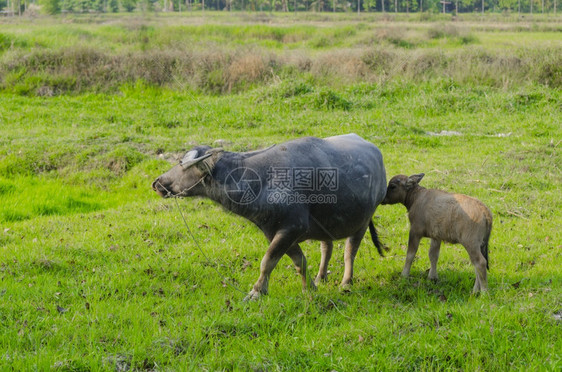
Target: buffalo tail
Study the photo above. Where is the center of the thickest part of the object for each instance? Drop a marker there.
(375, 238)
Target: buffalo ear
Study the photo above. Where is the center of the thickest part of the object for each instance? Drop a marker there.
(209, 160)
(414, 179)
(189, 162)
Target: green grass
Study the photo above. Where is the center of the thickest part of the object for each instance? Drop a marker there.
(98, 273)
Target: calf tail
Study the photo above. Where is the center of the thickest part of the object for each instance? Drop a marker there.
(484, 245)
(375, 238)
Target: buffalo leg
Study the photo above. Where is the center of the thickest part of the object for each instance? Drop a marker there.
(277, 248)
(434, 248)
(295, 253)
(413, 244)
(351, 246)
(326, 248)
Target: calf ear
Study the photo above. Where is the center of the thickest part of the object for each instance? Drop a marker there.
(414, 179)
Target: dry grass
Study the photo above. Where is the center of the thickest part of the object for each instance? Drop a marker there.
(379, 53)
(341, 64)
(246, 69)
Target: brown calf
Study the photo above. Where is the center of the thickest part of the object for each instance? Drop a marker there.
(443, 216)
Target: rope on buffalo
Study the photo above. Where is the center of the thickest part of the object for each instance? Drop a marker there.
(224, 279)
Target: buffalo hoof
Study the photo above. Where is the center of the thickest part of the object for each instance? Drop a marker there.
(252, 296)
(319, 280)
(481, 293)
(346, 288)
(479, 290)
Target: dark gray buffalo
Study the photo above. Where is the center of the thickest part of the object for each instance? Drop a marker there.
(308, 188)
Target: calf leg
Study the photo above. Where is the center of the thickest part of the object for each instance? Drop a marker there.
(277, 248)
(326, 248)
(295, 252)
(434, 248)
(479, 262)
(351, 246)
(413, 244)
(477, 285)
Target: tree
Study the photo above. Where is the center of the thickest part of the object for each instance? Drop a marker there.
(50, 6)
(98, 5)
(129, 5)
(82, 6)
(507, 4)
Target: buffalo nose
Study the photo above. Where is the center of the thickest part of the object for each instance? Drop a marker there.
(154, 184)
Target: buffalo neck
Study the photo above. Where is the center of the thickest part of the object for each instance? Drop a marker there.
(218, 182)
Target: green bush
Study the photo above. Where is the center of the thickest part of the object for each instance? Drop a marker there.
(17, 164)
(129, 5)
(550, 73)
(6, 187)
(329, 100)
(121, 159)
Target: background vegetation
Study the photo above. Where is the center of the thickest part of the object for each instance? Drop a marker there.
(97, 272)
(13, 7)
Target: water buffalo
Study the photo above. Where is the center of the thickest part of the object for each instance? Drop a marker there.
(308, 188)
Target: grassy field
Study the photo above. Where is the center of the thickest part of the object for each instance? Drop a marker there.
(98, 273)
